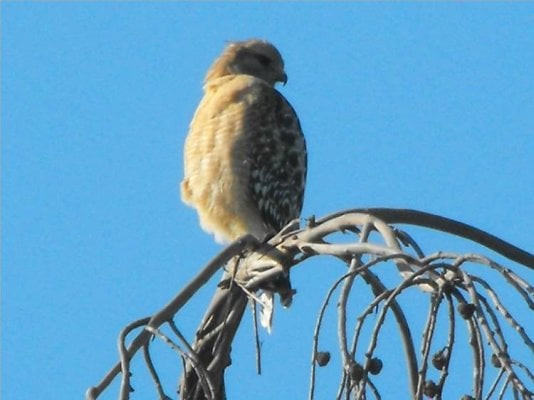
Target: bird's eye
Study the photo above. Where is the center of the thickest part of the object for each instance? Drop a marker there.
(264, 60)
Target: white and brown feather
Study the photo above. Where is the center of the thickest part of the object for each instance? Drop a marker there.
(245, 155)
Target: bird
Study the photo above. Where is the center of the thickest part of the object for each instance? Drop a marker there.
(245, 165)
(245, 157)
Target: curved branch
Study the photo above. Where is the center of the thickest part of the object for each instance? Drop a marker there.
(266, 263)
(172, 308)
(428, 220)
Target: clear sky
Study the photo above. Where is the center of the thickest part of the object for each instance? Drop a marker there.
(414, 105)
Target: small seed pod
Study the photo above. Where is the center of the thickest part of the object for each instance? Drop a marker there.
(496, 361)
(439, 360)
(322, 358)
(430, 389)
(466, 310)
(375, 366)
(447, 287)
(356, 372)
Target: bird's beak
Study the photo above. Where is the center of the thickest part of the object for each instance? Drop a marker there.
(283, 78)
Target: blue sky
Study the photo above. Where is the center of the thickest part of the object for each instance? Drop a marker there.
(413, 105)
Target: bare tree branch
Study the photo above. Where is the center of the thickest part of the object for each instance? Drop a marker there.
(251, 267)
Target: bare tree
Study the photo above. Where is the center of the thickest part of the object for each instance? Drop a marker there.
(364, 240)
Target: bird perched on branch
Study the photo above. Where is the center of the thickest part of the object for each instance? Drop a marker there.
(245, 156)
(244, 172)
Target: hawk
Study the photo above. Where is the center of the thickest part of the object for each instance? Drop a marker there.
(245, 155)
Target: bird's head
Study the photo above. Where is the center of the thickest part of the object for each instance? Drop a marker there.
(254, 57)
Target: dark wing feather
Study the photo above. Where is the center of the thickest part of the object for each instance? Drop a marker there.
(278, 158)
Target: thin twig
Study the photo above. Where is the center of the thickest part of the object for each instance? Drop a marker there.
(205, 381)
(256, 336)
(125, 358)
(428, 332)
(153, 373)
